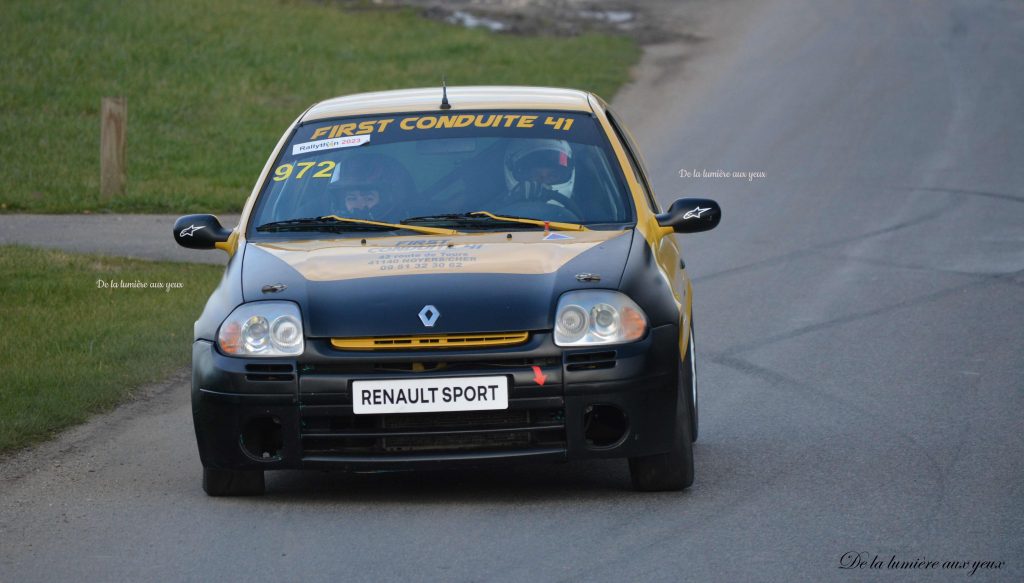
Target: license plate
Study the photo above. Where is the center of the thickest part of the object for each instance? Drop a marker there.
(430, 395)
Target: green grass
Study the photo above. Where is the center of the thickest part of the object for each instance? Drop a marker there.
(211, 85)
(71, 349)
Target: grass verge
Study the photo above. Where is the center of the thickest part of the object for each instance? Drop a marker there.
(71, 349)
(211, 85)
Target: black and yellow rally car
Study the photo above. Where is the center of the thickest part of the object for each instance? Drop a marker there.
(430, 277)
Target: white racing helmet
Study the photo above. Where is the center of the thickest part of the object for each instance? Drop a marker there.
(545, 161)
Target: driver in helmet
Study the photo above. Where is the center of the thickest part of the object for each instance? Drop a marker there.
(539, 170)
(366, 187)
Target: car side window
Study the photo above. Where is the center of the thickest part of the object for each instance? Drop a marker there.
(634, 161)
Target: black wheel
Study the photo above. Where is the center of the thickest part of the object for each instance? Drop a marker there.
(218, 482)
(672, 470)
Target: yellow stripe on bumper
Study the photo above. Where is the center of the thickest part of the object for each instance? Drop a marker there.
(427, 342)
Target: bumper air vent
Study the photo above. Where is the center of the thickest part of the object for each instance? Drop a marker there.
(590, 360)
(269, 372)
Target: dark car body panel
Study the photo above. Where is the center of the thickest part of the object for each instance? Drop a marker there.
(641, 381)
(468, 302)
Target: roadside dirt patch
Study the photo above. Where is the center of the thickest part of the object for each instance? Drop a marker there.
(649, 22)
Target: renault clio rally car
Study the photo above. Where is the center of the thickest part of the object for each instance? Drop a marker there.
(441, 277)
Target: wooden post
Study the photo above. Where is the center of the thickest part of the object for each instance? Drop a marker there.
(113, 129)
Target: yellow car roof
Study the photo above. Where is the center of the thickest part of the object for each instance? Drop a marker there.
(461, 99)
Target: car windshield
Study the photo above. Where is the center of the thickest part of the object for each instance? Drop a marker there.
(493, 170)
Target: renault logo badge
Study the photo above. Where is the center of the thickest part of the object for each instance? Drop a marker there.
(429, 316)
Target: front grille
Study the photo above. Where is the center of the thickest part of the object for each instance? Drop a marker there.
(362, 367)
(457, 420)
(487, 441)
(373, 435)
(438, 341)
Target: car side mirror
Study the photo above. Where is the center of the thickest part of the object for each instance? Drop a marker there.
(691, 215)
(199, 232)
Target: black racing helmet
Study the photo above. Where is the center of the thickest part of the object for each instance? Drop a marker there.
(367, 171)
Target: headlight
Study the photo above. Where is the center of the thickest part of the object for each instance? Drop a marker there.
(262, 329)
(589, 317)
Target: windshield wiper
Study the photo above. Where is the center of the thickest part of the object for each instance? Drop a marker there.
(485, 217)
(336, 223)
(315, 224)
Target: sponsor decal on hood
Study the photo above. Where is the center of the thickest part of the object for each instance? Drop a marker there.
(527, 253)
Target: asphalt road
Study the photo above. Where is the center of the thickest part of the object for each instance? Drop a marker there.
(859, 314)
(138, 236)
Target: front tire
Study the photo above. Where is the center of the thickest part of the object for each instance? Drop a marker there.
(218, 482)
(691, 362)
(672, 470)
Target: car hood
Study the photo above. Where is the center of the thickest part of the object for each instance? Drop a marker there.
(487, 282)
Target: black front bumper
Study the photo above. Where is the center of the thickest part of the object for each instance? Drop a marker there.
(597, 402)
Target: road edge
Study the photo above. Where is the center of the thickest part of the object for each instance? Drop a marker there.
(22, 462)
